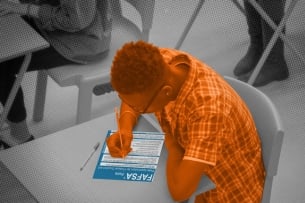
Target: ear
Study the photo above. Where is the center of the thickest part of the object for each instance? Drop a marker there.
(167, 90)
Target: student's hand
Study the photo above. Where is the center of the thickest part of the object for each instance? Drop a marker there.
(117, 147)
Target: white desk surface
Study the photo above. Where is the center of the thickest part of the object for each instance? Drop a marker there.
(17, 38)
(49, 167)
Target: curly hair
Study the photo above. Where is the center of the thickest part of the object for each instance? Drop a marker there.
(137, 67)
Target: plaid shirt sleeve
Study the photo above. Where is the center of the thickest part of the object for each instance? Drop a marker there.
(204, 134)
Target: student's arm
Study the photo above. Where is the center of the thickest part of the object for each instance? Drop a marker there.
(127, 121)
(69, 15)
(183, 176)
(18, 8)
(186, 168)
(128, 117)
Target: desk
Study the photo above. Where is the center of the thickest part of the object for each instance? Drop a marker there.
(49, 167)
(17, 38)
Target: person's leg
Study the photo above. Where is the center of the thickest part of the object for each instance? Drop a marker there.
(17, 114)
(275, 67)
(16, 119)
(46, 58)
(255, 49)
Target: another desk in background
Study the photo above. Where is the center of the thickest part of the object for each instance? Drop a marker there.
(17, 38)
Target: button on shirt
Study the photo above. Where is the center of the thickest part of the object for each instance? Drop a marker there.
(214, 126)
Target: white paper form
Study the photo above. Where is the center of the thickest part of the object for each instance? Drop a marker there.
(139, 165)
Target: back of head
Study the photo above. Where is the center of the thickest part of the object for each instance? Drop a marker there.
(137, 67)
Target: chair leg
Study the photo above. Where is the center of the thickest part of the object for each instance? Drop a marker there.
(40, 95)
(84, 103)
(145, 35)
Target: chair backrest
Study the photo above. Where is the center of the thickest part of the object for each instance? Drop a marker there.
(144, 8)
(270, 130)
(269, 127)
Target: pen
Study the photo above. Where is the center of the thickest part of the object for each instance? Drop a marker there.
(94, 150)
(119, 130)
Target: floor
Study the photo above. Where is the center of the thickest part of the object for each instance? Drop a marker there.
(218, 37)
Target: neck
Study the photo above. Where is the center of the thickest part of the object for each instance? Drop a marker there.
(178, 75)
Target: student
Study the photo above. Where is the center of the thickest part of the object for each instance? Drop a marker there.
(275, 67)
(78, 32)
(208, 128)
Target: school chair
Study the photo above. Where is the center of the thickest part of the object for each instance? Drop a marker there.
(269, 126)
(89, 76)
(270, 130)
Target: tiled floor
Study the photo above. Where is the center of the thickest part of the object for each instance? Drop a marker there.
(219, 37)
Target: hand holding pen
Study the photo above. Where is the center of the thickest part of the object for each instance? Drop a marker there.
(119, 142)
(117, 116)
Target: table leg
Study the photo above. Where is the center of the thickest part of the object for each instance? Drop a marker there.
(15, 88)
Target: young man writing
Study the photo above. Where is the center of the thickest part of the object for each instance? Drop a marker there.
(208, 128)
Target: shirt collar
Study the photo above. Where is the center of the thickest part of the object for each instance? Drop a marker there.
(175, 57)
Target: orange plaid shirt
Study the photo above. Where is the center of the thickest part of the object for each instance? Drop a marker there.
(213, 125)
